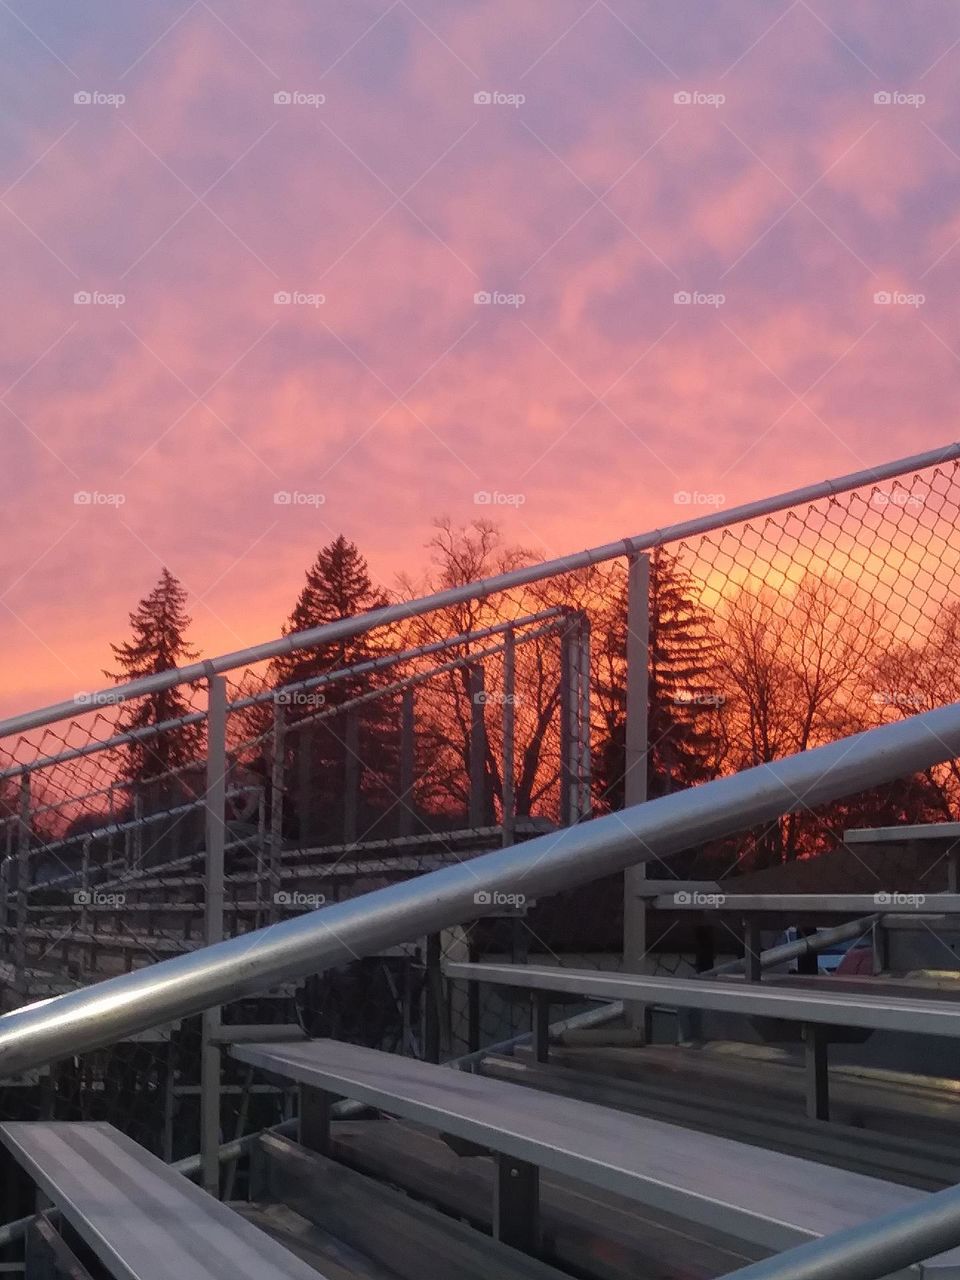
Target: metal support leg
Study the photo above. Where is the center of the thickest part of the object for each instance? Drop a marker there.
(815, 1061)
(473, 1011)
(808, 963)
(751, 949)
(540, 1019)
(313, 1130)
(215, 831)
(516, 1206)
(635, 772)
(433, 995)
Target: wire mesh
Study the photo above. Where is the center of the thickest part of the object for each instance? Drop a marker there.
(451, 734)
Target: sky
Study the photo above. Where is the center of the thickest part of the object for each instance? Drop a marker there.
(274, 272)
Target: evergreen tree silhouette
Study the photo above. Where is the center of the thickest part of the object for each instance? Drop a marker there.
(324, 762)
(159, 625)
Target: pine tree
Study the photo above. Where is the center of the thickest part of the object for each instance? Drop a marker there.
(338, 585)
(159, 625)
(683, 701)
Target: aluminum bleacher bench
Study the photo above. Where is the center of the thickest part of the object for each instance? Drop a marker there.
(143, 1220)
(917, 1014)
(769, 1199)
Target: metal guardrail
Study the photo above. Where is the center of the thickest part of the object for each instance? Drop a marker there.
(882, 1247)
(104, 1013)
(404, 610)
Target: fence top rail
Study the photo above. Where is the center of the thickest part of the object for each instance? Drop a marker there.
(402, 611)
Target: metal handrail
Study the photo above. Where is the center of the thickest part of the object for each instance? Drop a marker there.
(404, 610)
(871, 1250)
(100, 1015)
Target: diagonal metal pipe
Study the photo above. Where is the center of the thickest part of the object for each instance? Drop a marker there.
(881, 1248)
(109, 1011)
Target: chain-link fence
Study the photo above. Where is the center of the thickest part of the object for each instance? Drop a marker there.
(455, 731)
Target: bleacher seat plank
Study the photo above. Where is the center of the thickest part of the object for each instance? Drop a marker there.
(761, 1196)
(143, 1220)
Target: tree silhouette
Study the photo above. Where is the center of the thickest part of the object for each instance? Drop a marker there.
(330, 767)
(159, 625)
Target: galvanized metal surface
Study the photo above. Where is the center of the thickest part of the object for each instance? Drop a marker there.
(873, 1250)
(103, 1013)
(800, 904)
(142, 1220)
(840, 1009)
(761, 1196)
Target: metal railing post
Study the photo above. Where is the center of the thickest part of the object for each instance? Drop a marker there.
(636, 743)
(23, 875)
(586, 760)
(407, 761)
(476, 806)
(351, 775)
(276, 805)
(508, 794)
(215, 832)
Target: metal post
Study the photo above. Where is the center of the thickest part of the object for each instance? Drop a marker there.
(815, 1062)
(540, 1016)
(569, 713)
(751, 949)
(351, 776)
(276, 804)
(407, 761)
(508, 794)
(85, 886)
(433, 997)
(23, 876)
(516, 1207)
(636, 731)
(586, 758)
(215, 831)
(476, 813)
(136, 836)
